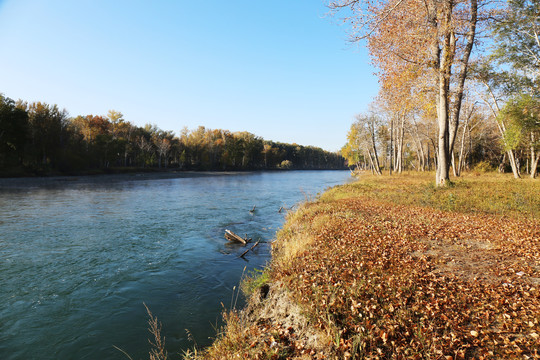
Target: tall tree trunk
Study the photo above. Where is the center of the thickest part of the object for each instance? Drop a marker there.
(534, 157)
(462, 76)
(419, 154)
(502, 130)
(376, 164)
(423, 157)
(401, 136)
(461, 160)
(444, 60)
(371, 127)
(454, 165)
(419, 147)
(513, 163)
(371, 165)
(443, 163)
(448, 123)
(501, 165)
(435, 155)
(458, 167)
(391, 152)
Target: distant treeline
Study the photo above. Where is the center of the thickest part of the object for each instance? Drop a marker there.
(38, 138)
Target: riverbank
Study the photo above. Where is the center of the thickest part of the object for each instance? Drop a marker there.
(22, 172)
(392, 267)
(109, 178)
(136, 174)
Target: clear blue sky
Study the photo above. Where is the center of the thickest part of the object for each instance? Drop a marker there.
(279, 69)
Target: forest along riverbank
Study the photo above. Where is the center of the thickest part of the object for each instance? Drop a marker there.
(369, 272)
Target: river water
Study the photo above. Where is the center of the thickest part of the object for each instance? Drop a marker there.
(80, 256)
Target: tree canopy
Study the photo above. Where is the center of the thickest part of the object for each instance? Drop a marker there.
(446, 100)
(38, 138)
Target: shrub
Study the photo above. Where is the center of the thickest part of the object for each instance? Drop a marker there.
(285, 164)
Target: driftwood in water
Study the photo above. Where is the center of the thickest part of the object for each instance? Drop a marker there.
(251, 248)
(229, 235)
(285, 208)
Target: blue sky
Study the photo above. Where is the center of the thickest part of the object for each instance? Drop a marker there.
(280, 69)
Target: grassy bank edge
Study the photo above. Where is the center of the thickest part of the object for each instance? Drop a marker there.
(252, 331)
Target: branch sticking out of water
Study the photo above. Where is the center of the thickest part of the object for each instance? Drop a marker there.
(123, 352)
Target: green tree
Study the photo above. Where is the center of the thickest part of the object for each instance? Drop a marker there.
(494, 94)
(517, 49)
(47, 125)
(517, 42)
(522, 114)
(13, 132)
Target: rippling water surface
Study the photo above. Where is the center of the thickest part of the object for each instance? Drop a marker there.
(80, 256)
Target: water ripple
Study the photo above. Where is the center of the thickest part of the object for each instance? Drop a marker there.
(79, 258)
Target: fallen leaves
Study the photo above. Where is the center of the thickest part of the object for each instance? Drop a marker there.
(409, 281)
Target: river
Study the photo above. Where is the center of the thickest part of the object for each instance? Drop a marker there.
(80, 256)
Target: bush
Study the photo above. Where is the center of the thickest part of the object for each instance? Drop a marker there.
(483, 167)
(285, 164)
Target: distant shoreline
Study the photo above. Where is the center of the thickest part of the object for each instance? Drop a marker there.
(38, 181)
(106, 178)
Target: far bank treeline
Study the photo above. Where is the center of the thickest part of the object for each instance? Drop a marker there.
(38, 138)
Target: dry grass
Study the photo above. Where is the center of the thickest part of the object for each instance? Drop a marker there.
(489, 193)
(295, 236)
(157, 351)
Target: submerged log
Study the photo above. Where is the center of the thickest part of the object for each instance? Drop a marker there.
(250, 249)
(229, 235)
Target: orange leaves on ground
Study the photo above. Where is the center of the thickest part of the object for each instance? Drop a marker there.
(411, 282)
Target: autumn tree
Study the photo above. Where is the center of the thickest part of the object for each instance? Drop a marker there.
(116, 119)
(122, 132)
(13, 132)
(267, 149)
(252, 149)
(162, 141)
(397, 101)
(362, 139)
(434, 35)
(352, 151)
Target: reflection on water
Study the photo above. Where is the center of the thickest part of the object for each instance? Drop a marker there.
(78, 258)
